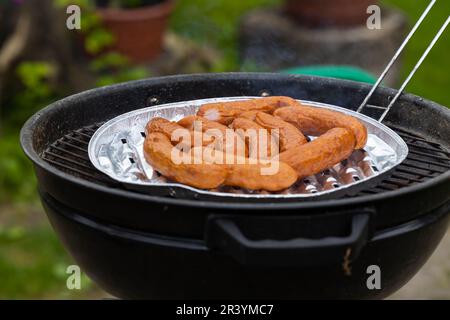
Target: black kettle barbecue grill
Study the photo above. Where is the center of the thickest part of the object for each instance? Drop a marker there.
(137, 245)
(141, 245)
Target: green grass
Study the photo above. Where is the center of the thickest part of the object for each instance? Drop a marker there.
(33, 266)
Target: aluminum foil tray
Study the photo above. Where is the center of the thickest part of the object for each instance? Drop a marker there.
(116, 149)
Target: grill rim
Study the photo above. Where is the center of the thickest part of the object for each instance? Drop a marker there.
(26, 138)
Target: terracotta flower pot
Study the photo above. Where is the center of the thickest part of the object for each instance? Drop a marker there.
(329, 12)
(138, 32)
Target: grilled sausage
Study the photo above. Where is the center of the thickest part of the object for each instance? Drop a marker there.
(316, 121)
(229, 142)
(325, 151)
(251, 174)
(225, 112)
(176, 133)
(184, 138)
(255, 139)
(289, 135)
(249, 115)
(208, 175)
(164, 126)
(338, 133)
(158, 153)
(188, 123)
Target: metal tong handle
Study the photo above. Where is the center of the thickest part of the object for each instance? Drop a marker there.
(394, 59)
(416, 67)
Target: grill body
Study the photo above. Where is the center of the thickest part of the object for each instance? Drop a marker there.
(140, 245)
(136, 265)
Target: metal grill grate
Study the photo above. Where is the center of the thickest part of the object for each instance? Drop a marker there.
(425, 160)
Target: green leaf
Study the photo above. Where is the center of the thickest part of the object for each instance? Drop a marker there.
(98, 40)
(109, 60)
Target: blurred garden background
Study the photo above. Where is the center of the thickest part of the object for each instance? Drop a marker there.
(45, 62)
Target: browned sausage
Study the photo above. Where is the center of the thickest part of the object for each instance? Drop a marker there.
(188, 123)
(252, 134)
(249, 176)
(316, 121)
(232, 141)
(325, 151)
(208, 175)
(164, 126)
(158, 153)
(183, 137)
(249, 115)
(289, 135)
(176, 133)
(252, 174)
(225, 112)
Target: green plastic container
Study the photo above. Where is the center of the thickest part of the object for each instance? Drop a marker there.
(339, 72)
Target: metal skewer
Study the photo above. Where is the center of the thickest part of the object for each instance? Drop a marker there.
(416, 67)
(394, 59)
(397, 54)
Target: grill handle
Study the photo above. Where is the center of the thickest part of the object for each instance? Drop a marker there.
(230, 235)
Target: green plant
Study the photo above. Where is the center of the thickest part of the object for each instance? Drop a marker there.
(17, 181)
(33, 90)
(109, 66)
(95, 37)
(114, 68)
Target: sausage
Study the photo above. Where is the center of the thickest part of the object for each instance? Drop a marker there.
(208, 175)
(316, 121)
(158, 153)
(289, 135)
(187, 139)
(325, 151)
(339, 135)
(171, 130)
(164, 126)
(232, 141)
(225, 112)
(188, 123)
(251, 133)
(251, 174)
(249, 115)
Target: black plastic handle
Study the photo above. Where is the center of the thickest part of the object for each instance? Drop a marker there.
(289, 241)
